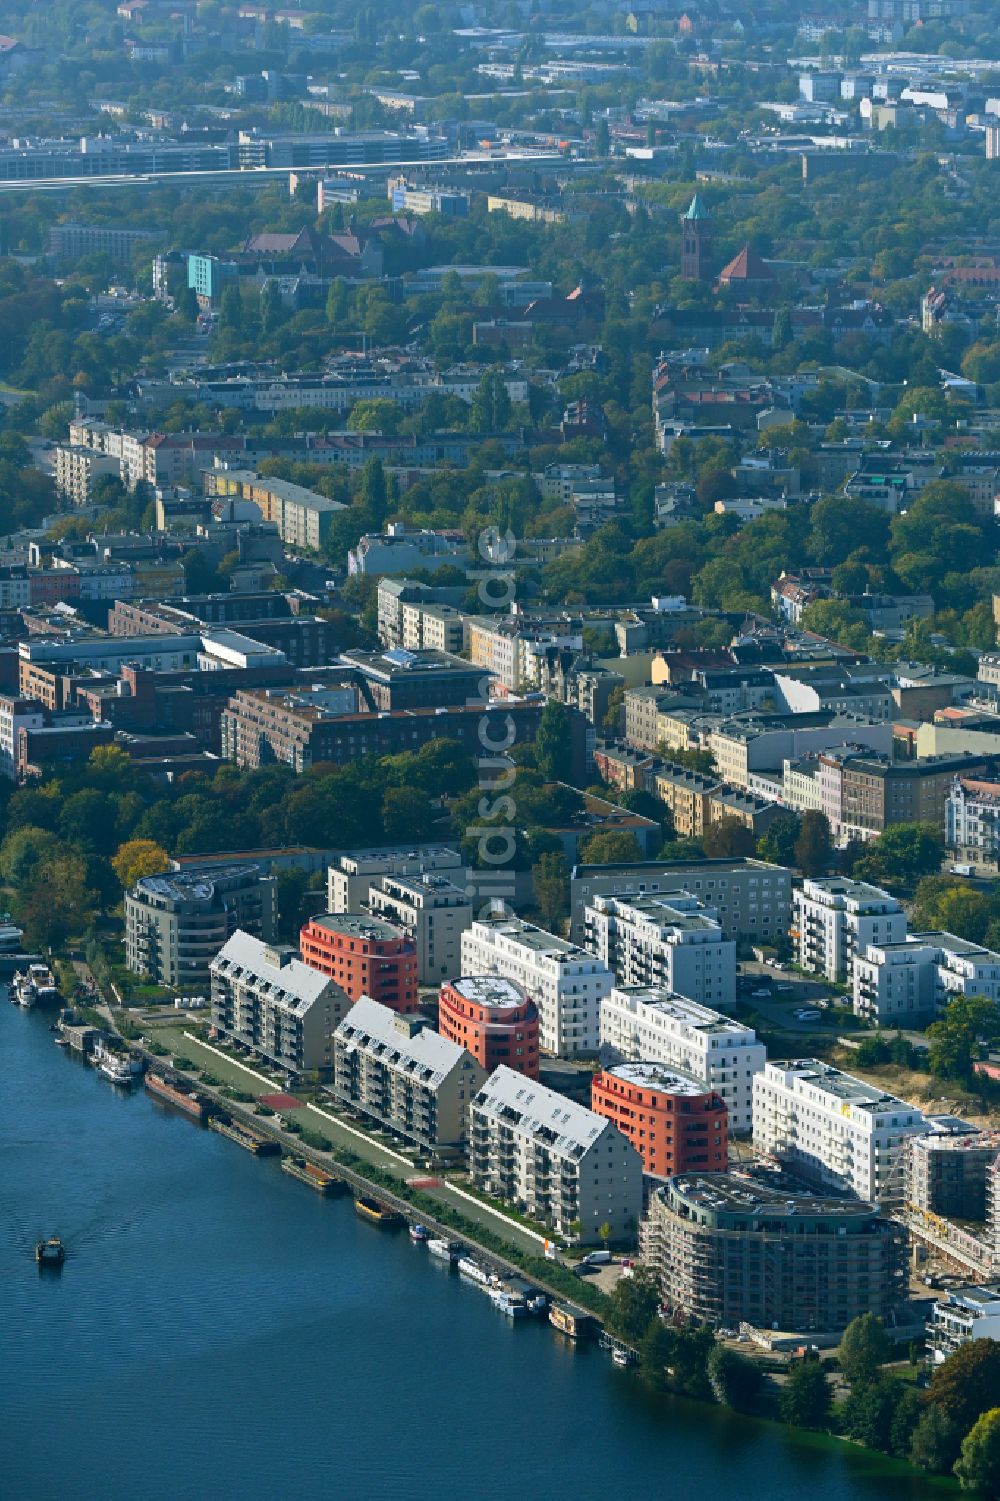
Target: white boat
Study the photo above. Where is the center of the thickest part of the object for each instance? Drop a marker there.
(418, 1234)
(42, 981)
(23, 993)
(467, 1267)
(445, 1250)
(512, 1304)
(621, 1356)
(120, 1068)
(538, 1304)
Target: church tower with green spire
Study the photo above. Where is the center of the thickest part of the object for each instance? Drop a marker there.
(696, 241)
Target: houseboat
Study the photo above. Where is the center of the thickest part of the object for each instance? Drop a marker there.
(469, 1268)
(124, 1068)
(572, 1322)
(513, 1305)
(22, 992)
(42, 981)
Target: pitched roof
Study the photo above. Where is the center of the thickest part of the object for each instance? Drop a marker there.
(747, 266)
(696, 208)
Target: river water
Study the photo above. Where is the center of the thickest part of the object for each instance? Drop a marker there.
(219, 1331)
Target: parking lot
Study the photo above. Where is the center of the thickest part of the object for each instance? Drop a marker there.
(778, 995)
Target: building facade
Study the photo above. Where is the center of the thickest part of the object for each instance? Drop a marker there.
(554, 1160)
(434, 912)
(670, 942)
(175, 924)
(566, 983)
(753, 899)
(729, 1251)
(835, 919)
(269, 1001)
(396, 1071)
(834, 1130)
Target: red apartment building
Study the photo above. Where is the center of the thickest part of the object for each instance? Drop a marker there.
(494, 1019)
(675, 1122)
(365, 956)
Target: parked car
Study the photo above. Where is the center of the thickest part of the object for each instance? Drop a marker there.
(760, 994)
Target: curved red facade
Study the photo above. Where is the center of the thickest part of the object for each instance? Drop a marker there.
(494, 1019)
(365, 956)
(676, 1123)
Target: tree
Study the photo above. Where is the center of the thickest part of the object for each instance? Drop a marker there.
(735, 1381)
(632, 1306)
(805, 1397)
(729, 839)
(23, 852)
(375, 415)
(956, 1037)
(967, 1383)
(406, 814)
(553, 742)
(814, 847)
(491, 404)
(863, 1350)
(778, 844)
(231, 310)
(137, 858)
(613, 847)
(935, 1442)
(551, 882)
(656, 1352)
(373, 493)
(869, 1411)
(978, 1466)
(901, 854)
(909, 1410)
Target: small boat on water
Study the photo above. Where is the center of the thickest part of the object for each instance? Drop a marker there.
(445, 1250)
(418, 1234)
(622, 1356)
(50, 1252)
(377, 1213)
(42, 981)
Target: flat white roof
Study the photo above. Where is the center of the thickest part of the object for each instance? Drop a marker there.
(490, 990)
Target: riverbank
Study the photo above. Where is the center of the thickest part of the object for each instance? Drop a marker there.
(364, 1162)
(393, 1178)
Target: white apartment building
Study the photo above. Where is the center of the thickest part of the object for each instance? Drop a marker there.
(972, 819)
(77, 469)
(653, 1026)
(963, 1314)
(266, 998)
(894, 982)
(353, 875)
(670, 941)
(513, 648)
(553, 1159)
(835, 919)
(566, 983)
(397, 1071)
(434, 912)
(833, 1129)
(16, 714)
